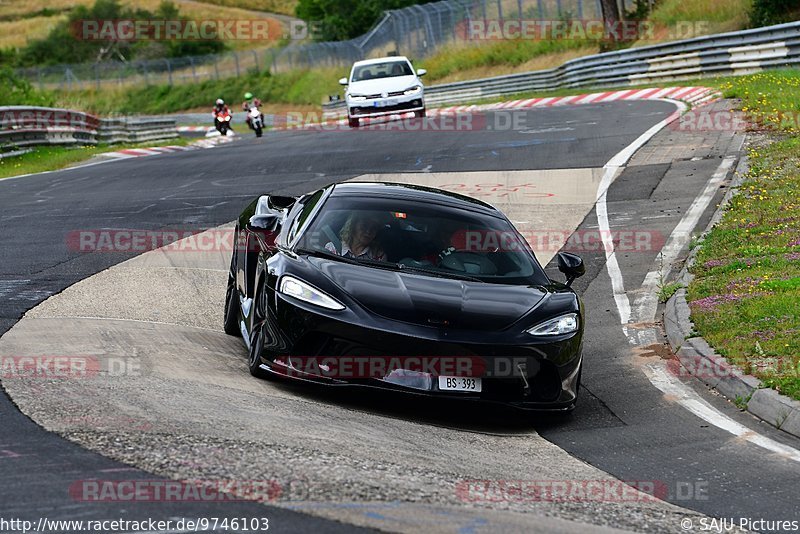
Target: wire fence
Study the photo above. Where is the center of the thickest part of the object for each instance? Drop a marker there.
(417, 31)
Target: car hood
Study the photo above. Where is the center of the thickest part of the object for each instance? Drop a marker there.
(381, 85)
(433, 301)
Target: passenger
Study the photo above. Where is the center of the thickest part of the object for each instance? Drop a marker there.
(358, 238)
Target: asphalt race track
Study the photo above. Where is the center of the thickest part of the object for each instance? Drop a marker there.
(624, 426)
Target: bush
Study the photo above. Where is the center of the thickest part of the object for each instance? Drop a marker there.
(769, 12)
(346, 19)
(64, 44)
(15, 91)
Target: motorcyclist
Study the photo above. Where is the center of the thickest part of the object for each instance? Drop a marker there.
(249, 102)
(219, 108)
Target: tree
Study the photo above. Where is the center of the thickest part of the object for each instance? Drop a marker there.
(340, 20)
(769, 12)
(66, 42)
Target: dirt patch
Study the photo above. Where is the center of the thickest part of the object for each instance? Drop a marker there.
(660, 350)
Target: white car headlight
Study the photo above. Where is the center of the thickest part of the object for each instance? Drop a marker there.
(294, 287)
(413, 90)
(358, 98)
(565, 324)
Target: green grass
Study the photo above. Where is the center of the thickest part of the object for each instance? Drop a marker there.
(294, 88)
(51, 158)
(451, 60)
(666, 291)
(284, 7)
(770, 97)
(726, 12)
(745, 298)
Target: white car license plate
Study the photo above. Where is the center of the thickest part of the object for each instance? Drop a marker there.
(385, 103)
(459, 383)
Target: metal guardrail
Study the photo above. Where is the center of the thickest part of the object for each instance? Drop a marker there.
(733, 53)
(26, 126)
(136, 129)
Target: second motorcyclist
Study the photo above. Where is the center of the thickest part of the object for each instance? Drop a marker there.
(250, 102)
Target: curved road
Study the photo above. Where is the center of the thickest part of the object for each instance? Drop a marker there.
(624, 425)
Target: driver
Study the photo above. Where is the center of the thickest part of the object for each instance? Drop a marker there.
(448, 237)
(358, 238)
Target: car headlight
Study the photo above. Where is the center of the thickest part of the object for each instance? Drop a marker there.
(358, 98)
(564, 324)
(300, 290)
(413, 90)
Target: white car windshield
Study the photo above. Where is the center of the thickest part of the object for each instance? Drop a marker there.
(387, 69)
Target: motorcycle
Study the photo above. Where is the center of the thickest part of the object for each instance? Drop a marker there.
(256, 120)
(222, 122)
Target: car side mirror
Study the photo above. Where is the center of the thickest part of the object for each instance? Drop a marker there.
(421, 72)
(278, 203)
(571, 265)
(267, 222)
(343, 81)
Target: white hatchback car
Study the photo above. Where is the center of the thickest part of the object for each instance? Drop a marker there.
(383, 86)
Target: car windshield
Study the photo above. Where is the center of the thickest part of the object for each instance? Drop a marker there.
(387, 69)
(424, 238)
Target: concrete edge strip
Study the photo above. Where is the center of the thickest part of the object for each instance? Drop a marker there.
(152, 151)
(697, 358)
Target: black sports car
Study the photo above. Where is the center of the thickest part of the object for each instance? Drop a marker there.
(403, 287)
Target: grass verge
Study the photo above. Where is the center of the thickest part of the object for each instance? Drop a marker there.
(52, 158)
(299, 88)
(744, 298)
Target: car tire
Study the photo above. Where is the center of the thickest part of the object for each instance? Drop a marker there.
(577, 394)
(420, 114)
(231, 318)
(254, 354)
(353, 123)
(257, 335)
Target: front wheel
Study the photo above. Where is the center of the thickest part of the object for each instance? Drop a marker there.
(257, 334)
(259, 131)
(420, 114)
(352, 122)
(256, 348)
(231, 320)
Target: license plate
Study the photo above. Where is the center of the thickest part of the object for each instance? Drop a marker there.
(385, 103)
(458, 383)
